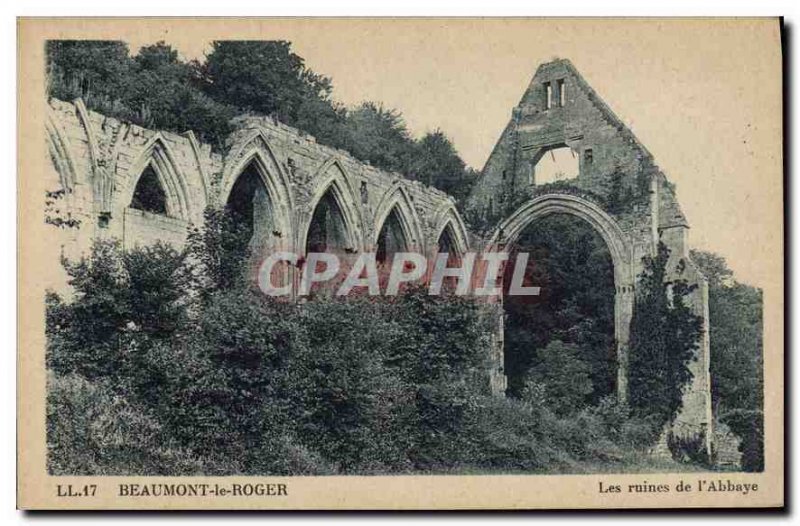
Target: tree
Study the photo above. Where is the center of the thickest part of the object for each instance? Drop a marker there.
(167, 94)
(262, 76)
(378, 135)
(121, 302)
(96, 70)
(562, 377)
(572, 265)
(664, 336)
(436, 163)
(153, 89)
(157, 282)
(157, 89)
(219, 251)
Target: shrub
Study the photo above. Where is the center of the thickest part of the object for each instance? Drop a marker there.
(147, 379)
(508, 435)
(748, 425)
(91, 430)
(119, 301)
(689, 448)
(560, 378)
(336, 382)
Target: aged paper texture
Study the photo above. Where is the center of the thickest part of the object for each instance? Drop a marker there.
(400, 263)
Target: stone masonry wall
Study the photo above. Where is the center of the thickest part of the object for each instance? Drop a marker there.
(613, 168)
(107, 157)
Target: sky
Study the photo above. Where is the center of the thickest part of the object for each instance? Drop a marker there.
(704, 96)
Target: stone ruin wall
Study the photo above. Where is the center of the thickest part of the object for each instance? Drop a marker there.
(581, 121)
(97, 160)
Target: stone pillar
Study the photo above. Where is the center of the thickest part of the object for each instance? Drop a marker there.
(695, 416)
(498, 381)
(623, 312)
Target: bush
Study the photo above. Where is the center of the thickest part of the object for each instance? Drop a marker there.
(341, 395)
(91, 430)
(689, 448)
(148, 379)
(559, 380)
(120, 301)
(507, 435)
(748, 425)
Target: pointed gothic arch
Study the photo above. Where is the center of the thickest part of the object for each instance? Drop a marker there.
(446, 242)
(450, 224)
(255, 153)
(149, 194)
(392, 237)
(396, 206)
(157, 155)
(508, 232)
(510, 229)
(335, 191)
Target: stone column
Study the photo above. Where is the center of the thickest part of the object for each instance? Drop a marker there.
(623, 311)
(695, 415)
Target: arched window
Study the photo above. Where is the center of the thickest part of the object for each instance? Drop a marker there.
(574, 311)
(327, 231)
(391, 238)
(149, 195)
(446, 242)
(251, 207)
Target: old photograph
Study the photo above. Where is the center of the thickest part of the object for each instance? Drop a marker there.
(266, 254)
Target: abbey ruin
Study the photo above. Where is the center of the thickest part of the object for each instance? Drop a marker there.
(308, 197)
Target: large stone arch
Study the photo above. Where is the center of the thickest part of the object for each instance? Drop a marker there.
(256, 151)
(332, 179)
(397, 200)
(620, 249)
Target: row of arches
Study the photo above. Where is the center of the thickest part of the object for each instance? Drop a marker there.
(333, 220)
(255, 188)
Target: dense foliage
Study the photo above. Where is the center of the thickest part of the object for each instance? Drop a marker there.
(664, 336)
(575, 309)
(737, 375)
(156, 89)
(149, 375)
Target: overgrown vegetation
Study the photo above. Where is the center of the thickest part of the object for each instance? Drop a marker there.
(569, 326)
(149, 375)
(157, 89)
(664, 336)
(619, 198)
(168, 362)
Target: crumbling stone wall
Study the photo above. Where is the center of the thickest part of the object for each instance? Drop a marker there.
(98, 160)
(619, 190)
